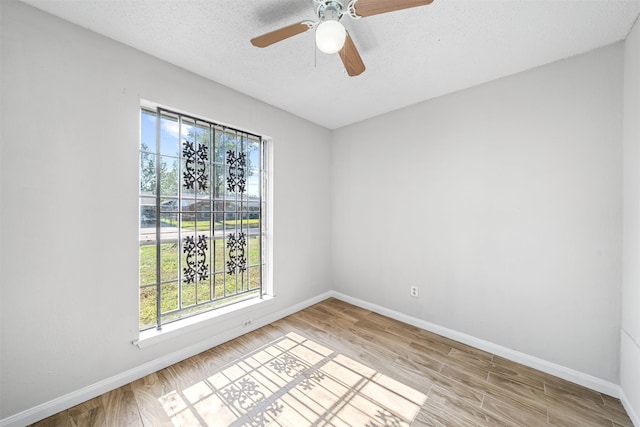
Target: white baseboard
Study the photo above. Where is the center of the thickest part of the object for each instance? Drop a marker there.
(569, 374)
(635, 419)
(69, 400)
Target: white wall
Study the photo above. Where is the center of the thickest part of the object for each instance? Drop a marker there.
(69, 178)
(630, 334)
(502, 203)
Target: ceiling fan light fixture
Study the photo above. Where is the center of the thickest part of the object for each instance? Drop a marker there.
(330, 36)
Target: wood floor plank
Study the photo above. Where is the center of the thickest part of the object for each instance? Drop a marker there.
(149, 392)
(452, 403)
(422, 360)
(568, 416)
(618, 413)
(61, 419)
(612, 402)
(94, 417)
(90, 412)
(435, 350)
(518, 375)
(516, 412)
(468, 363)
(336, 364)
(435, 416)
(508, 367)
(456, 344)
(575, 393)
(461, 391)
(519, 392)
(120, 408)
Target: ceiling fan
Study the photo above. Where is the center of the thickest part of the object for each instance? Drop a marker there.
(331, 36)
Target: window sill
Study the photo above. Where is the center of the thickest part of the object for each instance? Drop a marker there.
(190, 324)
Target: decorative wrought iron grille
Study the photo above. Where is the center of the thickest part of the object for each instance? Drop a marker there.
(201, 216)
(237, 259)
(236, 177)
(195, 166)
(196, 253)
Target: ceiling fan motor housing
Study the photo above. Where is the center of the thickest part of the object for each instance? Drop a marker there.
(330, 10)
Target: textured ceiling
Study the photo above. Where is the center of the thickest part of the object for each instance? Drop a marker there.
(411, 55)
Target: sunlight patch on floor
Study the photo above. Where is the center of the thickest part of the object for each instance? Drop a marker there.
(294, 381)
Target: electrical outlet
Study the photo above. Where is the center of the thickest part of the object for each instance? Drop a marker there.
(246, 323)
(414, 291)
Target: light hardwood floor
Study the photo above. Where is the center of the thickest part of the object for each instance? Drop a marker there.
(335, 364)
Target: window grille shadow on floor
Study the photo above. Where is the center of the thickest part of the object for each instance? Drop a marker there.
(294, 381)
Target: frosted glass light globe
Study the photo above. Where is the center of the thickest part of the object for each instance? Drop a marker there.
(330, 36)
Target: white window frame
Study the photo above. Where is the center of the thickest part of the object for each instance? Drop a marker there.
(241, 311)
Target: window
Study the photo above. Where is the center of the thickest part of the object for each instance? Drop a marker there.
(202, 216)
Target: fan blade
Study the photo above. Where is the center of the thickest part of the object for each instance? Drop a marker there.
(351, 58)
(373, 7)
(280, 34)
